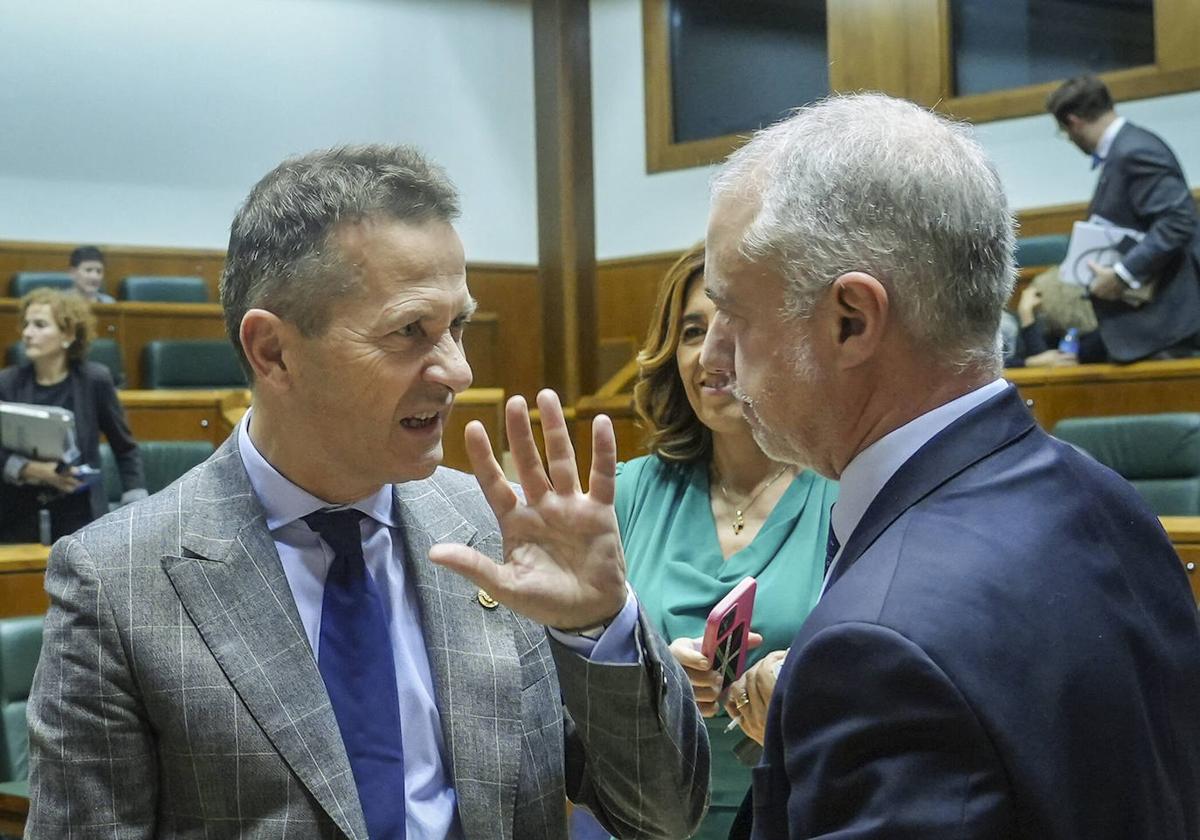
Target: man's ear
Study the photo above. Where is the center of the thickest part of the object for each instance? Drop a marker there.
(861, 306)
(264, 336)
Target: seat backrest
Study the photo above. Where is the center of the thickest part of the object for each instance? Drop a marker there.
(106, 351)
(1041, 250)
(26, 281)
(20, 645)
(196, 363)
(163, 461)
(1159, 454)
(164, 289)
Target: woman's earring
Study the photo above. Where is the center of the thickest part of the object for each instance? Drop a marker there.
(66, 345)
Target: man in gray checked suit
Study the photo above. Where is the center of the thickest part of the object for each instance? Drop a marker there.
(265, 649)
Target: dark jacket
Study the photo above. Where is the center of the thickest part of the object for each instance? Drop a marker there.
(1007, 649)
(97, 410)
(1143, 187)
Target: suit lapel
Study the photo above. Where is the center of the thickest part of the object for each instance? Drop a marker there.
(473, 660)
(231, 582)
(966, 441)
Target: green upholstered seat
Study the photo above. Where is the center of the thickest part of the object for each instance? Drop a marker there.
(24, 282)
(1041, 250)
(163, 461)
(198, 363)
(163, 289)
(20, 644)
(105, 351)
(1159, 454)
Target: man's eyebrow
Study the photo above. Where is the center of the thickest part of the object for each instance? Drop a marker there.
(469, 308)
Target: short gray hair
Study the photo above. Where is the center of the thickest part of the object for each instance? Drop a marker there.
(869, 183)
(281, 257)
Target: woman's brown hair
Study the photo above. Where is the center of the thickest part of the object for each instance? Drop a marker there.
(72, 315)
(675, 432)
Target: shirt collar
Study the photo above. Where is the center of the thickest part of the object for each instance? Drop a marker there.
(870, 470)
(1106, 139)
(284, 502)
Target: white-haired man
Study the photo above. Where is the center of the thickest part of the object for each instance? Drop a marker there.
(1006, 646)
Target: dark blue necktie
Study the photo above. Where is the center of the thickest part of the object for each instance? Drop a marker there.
(355, 660)
(1097, 160)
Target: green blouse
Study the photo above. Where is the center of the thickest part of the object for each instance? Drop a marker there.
(676, 568)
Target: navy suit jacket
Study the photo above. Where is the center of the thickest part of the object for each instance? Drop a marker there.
(1143, 187)
(1008, 649)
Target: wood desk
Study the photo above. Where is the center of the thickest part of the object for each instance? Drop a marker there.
(184, 415)
(14, 811)
(1104, 390)
(22, 568)
(1184, 532)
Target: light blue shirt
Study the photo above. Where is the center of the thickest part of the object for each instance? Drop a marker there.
(871, 469)
(430, 801)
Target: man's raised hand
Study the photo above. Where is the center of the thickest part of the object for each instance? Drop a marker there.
(563, 564)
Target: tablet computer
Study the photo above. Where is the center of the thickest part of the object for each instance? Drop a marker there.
(38, 432)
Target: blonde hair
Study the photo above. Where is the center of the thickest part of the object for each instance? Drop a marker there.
(72, 315)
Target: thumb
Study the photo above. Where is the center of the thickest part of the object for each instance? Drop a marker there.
(753, 640)
(1093, 265)
(687, 653)
(478, 568)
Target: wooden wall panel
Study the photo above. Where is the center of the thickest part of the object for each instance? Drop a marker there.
(510, 292)
(900, 47)
(120, 261)
(627, 289)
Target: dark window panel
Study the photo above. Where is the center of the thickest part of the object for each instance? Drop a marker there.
(1014, 43)
(737, 66)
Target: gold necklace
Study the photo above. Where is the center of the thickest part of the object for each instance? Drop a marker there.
(739, 513)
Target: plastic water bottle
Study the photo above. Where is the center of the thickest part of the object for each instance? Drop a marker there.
(44, 527)
(1070, 342)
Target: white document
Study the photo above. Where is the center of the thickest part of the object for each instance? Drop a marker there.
(1097, 240)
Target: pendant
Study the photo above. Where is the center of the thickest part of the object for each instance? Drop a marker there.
(739, 522)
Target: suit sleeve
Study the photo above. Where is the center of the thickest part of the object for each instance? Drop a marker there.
(637, 750)
(1163, 204)
(111, 418)
(878, 744)
(93, 767)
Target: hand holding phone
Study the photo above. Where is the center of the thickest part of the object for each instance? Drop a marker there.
(727, 632)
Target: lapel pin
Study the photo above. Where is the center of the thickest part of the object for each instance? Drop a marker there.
(487, 601)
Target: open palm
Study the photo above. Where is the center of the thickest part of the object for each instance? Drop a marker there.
(563, 563)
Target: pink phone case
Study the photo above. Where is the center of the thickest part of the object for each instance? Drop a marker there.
(727, 630)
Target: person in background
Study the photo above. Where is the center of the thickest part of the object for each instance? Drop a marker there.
(1148, 303)
(87, 273)
(705, 509)
(55, 331)
(1047, 311)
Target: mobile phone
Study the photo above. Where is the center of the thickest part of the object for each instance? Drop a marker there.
(727, 631)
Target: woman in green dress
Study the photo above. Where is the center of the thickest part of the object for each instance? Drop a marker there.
(707, 508)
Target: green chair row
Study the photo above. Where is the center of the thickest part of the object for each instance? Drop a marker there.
(20, 644)
(1159, 454)
(163, 461)
(160, 288)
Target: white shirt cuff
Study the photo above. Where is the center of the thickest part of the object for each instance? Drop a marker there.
(1128, 278)
(617, 645)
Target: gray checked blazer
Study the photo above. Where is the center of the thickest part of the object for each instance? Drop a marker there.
(177, 695)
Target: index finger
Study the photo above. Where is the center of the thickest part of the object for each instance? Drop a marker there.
(496, 489)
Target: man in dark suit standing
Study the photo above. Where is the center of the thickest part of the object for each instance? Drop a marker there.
(1006, 646)
(1149, 302)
